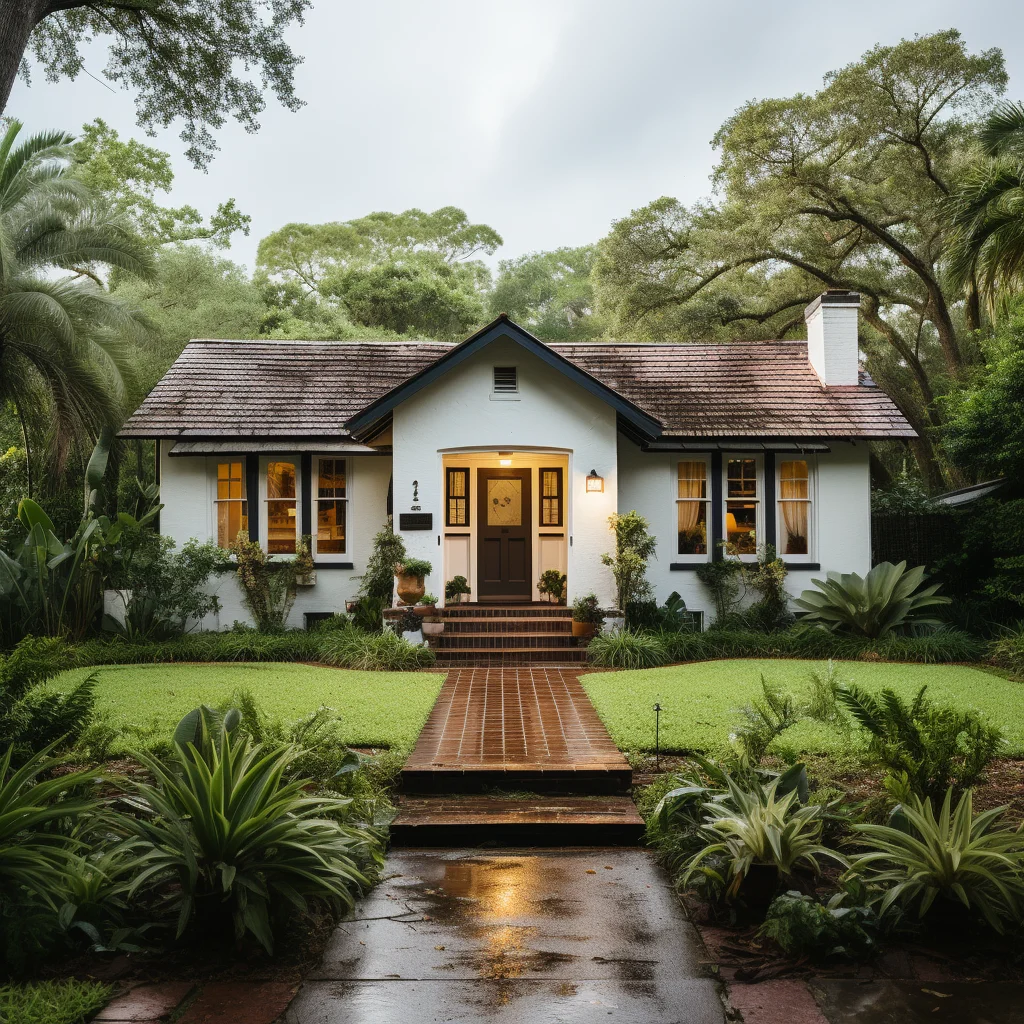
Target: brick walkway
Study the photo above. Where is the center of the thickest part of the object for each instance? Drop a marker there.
(528, 719)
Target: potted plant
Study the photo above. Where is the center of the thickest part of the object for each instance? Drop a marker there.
(410, 573)
(426, 605)
(305, 572)
(432, 620)
(454, 590)
(586, 616)
(552, 583)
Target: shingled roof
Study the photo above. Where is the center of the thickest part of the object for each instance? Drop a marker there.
(220, 389)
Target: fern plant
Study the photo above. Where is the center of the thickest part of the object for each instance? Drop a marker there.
(888, 598)
(935, 747)
(765, 718)
(953, 858)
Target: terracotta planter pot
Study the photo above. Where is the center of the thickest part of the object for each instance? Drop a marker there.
(410, 589)
(583, 630)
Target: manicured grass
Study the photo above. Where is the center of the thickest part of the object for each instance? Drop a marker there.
(700, 700)
(52, 1002)
(377, 709)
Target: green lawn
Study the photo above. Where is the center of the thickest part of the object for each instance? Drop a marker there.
(700, 700)
(378, 709)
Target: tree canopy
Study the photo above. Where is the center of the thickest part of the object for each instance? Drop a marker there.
(190, 59)
(550, 293)
(409, 272)
(845, 188)
(127, 175)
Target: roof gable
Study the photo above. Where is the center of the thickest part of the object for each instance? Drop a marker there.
(504, 328)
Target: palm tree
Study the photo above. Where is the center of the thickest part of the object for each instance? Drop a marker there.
(62, 335)
(986, 249)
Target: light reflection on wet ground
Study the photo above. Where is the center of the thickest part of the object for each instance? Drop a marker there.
(531, 936)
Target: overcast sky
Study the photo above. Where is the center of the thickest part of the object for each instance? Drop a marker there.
(546, 120)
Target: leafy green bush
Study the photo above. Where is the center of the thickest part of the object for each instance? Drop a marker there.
(587, 610)
(633, 546)
(888, 598)
(628, 649)
(765, 718)
(670, 617)
(267, 585)
(1007, 649)
(934, 748)
(801, 926)
(378, 582)
(377, 652)
(230, 840)
(53, 1002)
(418, 567)
(956, 858)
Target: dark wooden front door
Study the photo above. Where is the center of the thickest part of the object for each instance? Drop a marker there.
(504, 530)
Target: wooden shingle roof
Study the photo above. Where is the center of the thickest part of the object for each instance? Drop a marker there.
(311, 389)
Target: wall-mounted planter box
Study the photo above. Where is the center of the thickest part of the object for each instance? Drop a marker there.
(307, 579)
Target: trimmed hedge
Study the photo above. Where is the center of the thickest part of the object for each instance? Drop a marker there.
(942, 646)
(348, 648)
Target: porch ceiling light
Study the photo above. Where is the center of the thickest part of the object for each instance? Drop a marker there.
(595, 483)
(504, 458)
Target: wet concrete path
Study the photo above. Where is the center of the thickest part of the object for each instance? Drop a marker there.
(534, 936)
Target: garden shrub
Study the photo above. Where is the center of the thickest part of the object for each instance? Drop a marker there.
(1007, 650)
(234, 842)
(628, 649)
(941, 863)
(801, 926)
(927, 747)
(267, 585)
(378, 582)
(31, 717)
(765, 718)
(633, 546)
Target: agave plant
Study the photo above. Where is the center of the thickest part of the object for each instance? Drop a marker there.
(887, 598)
(956, 857)
(758, 826)
(238, 839)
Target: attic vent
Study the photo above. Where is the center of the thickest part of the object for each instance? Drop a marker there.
(506, 380)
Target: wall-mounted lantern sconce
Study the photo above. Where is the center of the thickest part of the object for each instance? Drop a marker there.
(595, 483)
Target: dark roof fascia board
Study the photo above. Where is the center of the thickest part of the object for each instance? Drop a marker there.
(504, 327)
(710, 444)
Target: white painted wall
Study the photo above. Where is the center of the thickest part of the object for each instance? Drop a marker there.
(832, 344)
(188, 489)
(841, 523)
(457, 412)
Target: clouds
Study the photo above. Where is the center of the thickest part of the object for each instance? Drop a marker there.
(544, 119)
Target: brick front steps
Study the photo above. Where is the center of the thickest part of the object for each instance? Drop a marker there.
(507, 635)
(531, 731)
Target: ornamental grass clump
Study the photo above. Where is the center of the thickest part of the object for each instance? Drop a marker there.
(955, 859)
(628, 649)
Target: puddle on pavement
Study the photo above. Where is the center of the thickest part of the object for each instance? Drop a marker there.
(905, 1002)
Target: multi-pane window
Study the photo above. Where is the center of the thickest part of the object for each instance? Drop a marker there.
(457, 497)
(232, 506)
(741, 501)
(331, 507)
(692, 507)
(794, 507)
(550, 497)
(282, 508)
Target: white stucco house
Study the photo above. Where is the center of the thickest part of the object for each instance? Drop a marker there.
(503, 456)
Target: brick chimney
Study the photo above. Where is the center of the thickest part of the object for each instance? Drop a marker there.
(832, 346)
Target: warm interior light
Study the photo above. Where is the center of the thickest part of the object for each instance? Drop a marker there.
(595, 483)
(730, 523)
(504, 458)
(504, 462)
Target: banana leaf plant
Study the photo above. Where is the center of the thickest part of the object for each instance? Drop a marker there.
(55, 588)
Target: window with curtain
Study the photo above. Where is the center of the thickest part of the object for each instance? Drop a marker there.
(331, 507)
(692, 507)
(457, 497)
(794, 507)
(231, 504)
(282, 508)
(741, 501)
(550, 497)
